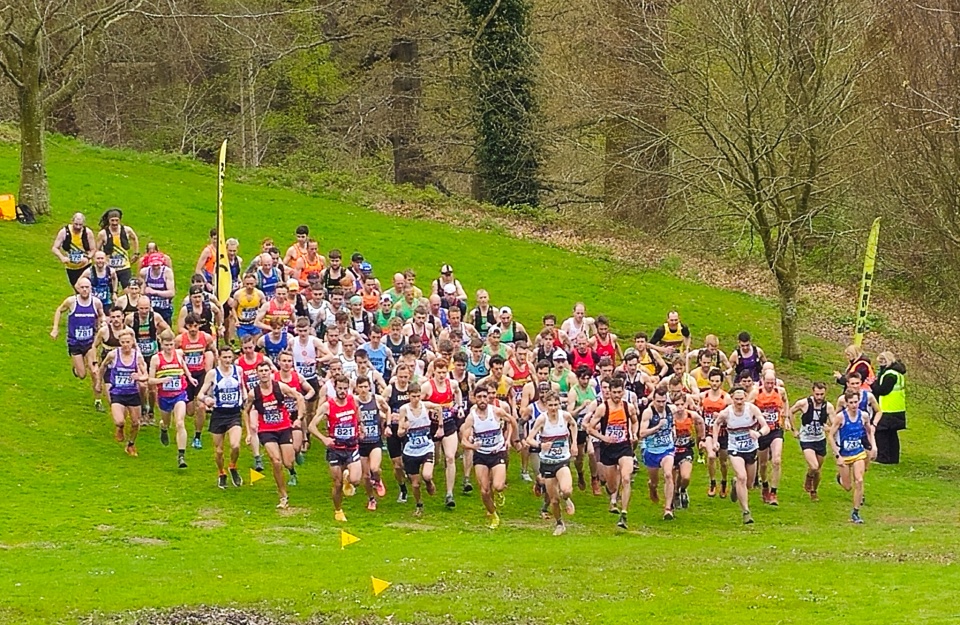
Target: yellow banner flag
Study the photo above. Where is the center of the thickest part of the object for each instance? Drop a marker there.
(379, 585)
(224, 281)
(347, 539)
(255, 476)
(869, 259)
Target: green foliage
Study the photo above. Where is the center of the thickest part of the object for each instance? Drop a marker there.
(503, 68)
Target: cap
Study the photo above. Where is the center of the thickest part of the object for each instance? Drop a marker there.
(357, 257)
(153, 259)
(631, 353)
(293, 285)
(494, 329)
(559, 354)
(365, 266)
(446, 269)
(449, 289)
(386, 298)
(506, 309)
(356, 299)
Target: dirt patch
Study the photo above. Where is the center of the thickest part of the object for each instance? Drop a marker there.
(417, 527)
(208, 513)
(146, 540)
(105, 528)
(292, 511)
(208, 524)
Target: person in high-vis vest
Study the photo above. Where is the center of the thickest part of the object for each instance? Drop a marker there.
(74, 247)
(889, 388)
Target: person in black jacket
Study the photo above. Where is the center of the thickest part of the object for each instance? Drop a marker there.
(888, 388)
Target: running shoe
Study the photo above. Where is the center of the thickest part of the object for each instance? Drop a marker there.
(222, 481)
(196, 444)
(283, 504)
(418, 511)
(571, 509)
(181, 462)
(449, 502)
(595, 485)
(544, 512)
(338, 515)
(500, 499)
(537, 489)
(380, 488)
(723, 490)
(684, 500)
(98, 405)
(668, 515)
(676, 499)
(132, 450)
(235, 478)
(258, 464)
(525, 476)
(855, 517)
(467, 487)
(300, 458)
(494, 520)
(581, 483)
(808, 483)
(814, 496)
(559, 529)
(349, 489)
(293, 480)
(765, 494)
(613, 508)
(402, 497)
(118, 435)
(622, 521)
(733, 494)
(372, 503)
(747, 518)
(164, 437)
(712, 491)
(431, 488)
(772, 499)
(654, 495)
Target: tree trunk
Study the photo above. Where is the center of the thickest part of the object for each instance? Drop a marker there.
(33, 173)
(788, 285)
(409, 162)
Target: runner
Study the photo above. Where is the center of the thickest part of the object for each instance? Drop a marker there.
(415, 425)
(816, 413)
(554, 432)
(747, 357)
(701, 375)
(381, 359)
(169, 375)
(124, 369)
(711, 348)
(198, 348)
(207, 261)
(235, 264)
(483, 316)
(270, 422)
(443, 396)
(373, 419)
(446, 278)
(342, 440)
(74, 246)
(277, 307)
(531, 405)
(224, 391)
(103, 280)
(578, 324)
(309, 266)
(289, 376)
(772, 402)
(846, 433)
(657, 427)
(741, 420)
(300, 246)
(159, 285)
(689, 433)
(582, 355)
(120, 243)
(511, 331)
(581, 402)
(486, 431)
(518, 370)
(246, 302)
(267, 276)
(309, 353)
(604, 342)
(248, 362)
(450, 300)
(650, 360)
(712, 402)
(420, 330)
(275, 341)
(207, 311)
(84, 313)
(868, 405)
(673, 337)
(131, 295)
(147, 326)
(396, 394)
(614, 424)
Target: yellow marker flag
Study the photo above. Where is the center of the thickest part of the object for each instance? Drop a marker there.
(255, 476)
(347, 539)
(223, 279)
(379, 585)
(869, 259)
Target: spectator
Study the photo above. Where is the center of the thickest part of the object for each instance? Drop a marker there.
(890, 391)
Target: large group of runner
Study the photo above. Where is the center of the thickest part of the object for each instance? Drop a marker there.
(310, 351)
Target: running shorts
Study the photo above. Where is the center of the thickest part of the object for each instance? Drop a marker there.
(166, 404)
(749, 457)
(652, 461)
(489, 460)
(413, 464)
(610, 454)
(79, 349)
(818, 447)
(342, 457)
(766, 440)
(130, 401)
(682, 454)
(549, 471)
(222, 420)
(280, 437)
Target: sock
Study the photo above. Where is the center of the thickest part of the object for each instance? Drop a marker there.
(181, 453)
(233, 465)
(222, 473)
(292, 471)
(683, 491)
(129, 443)
(403, 489)
(766, 484)
(257, 459)
(773, 490)
(196, 435)
(713, 483)
(723, 482)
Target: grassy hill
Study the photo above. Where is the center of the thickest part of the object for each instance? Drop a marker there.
(86, 529)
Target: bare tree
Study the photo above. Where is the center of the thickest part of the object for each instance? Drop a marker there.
(44, 45)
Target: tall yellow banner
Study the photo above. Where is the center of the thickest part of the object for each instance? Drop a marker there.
(224, 280)
(869, 260)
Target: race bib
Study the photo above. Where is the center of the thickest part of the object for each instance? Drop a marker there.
(307, 370)
(122, 379)
(174, 384)
(852, 445)
(742, 441)
(83, 334)
(617, 432)
(272, 416)
(117, 262)
(371, 431)
(448, 413)
(194, 359)
(229, 397)
(772, 418)
(75, 257)
(159, 303)
(556, 451)
(344, 432)
(147, 347)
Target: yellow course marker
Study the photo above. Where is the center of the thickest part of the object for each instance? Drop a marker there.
(379, 585)
(255, 476)
(347, 539)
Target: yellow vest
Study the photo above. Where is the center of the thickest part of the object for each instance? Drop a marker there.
(896, 400)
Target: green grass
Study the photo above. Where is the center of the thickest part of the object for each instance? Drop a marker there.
(86, 529)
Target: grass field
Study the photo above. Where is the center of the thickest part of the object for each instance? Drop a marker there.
(85, 529)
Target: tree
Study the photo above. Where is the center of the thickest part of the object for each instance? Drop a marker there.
(508, 153)
(409, 161)
(43, 49)
(766, 118)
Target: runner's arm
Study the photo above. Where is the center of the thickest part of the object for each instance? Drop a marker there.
(466, 434)
(65, 305)
(531, 440)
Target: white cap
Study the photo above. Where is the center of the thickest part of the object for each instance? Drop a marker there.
(449, 289)
(506, 309)
(559, 354)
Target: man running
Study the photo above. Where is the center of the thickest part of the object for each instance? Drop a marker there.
(120, 243)
(442, 395)
(373, 419)
(712, 402)
(299, 247)
(741, 420)
(309, 267)
(581, 402)
(74, 246)
(170, 376)
(270, 422)
(397, 395)
(554, 432)
(342, 441)
(486, 431)
(747, 357)
(84, 312)
(614, 424)
(246, 303)
(208, 313)
(147, 326)
(816, 413)
(225, 392)
(578, 324)
(414, 423)
(847, 429)
(159, 285)
(124, 370)
(772, 402)
(672, 337)
(103, 280)
(288, 375)
(656, 426)
(688, 427)
(198, 348)
(604, 342)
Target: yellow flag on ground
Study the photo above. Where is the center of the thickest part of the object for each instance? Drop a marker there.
(224, 281)
(255, 476)
(869, 259)
(347, 539)
(379, 585)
